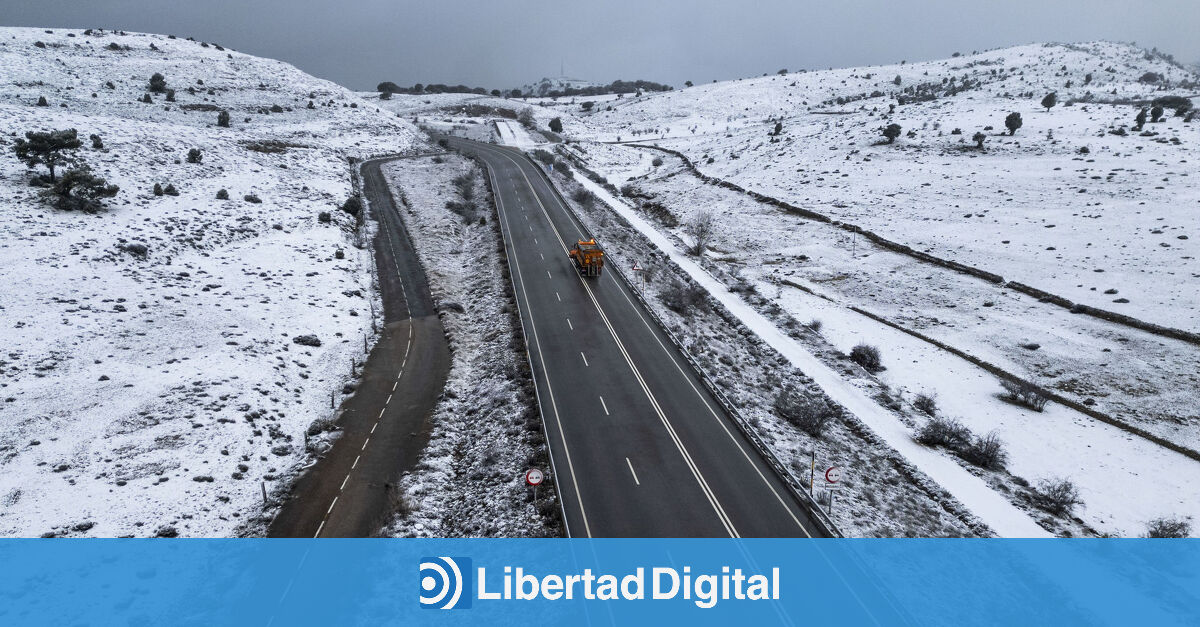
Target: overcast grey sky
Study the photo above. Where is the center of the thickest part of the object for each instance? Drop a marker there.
(509, 43)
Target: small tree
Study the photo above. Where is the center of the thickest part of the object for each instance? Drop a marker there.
(979, 138)
(385, 95)
(194, 155)
(222, 194)
(896, 81)
(1013, 122)
(687, 83)
(1156, 114)
(1140, 119)
(51, 149)
(1049, 101)
(556, 125)
(158, 83)
(97, 143)
(42, 102)
(525, 117)
(701, 229)
(147, 99)
(170, 95)
(891, 132)
(778, 128)
(81, 190)
(223, 119)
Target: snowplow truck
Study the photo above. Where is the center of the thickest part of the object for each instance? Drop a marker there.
(588, 257)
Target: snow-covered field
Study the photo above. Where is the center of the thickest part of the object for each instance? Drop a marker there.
(154, 393)
(1030, 207)
(1033, 207)
(486, 429)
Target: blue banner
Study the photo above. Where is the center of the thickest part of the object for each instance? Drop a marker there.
(599, 582)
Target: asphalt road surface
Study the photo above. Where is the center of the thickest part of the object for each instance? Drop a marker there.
(639, 447)
(385, 425)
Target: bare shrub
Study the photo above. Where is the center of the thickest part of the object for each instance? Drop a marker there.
(584, 198)
(866, 356)
(1024, 393)
(1057, 496)
(985, 452)
(925, 403)
(810, 414)
(465, 185)
(1168, 528)
(945, 432)
(682, 297)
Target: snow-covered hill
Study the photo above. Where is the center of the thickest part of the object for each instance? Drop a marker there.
(1063, 204)
(1076, 202)
(155, 392)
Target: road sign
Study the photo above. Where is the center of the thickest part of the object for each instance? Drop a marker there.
(534, 477)
(832, 475)
(636, 267)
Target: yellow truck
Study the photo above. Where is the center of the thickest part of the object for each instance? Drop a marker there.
(588, 257)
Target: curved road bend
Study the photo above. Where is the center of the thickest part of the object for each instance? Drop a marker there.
(639, 447)
(385, 425)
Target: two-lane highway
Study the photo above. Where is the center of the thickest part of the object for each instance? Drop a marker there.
(638, 445)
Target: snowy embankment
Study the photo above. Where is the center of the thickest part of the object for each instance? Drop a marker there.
(486, 431)
(1124, 481)
(989, 506)
(513, 134)
(152, 379)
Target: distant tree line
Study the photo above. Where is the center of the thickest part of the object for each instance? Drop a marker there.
(436, 88)
(615, 87)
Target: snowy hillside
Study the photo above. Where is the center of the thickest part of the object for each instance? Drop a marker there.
(1063, 204)
(150, 377)
(1076, 202)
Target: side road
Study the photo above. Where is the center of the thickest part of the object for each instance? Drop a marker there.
(385, 425)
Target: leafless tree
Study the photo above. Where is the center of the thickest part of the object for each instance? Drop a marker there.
(701, 229)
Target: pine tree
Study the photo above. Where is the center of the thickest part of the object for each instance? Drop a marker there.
(1049, 101)
(81, 190)
(891, 132)
(51, 149)
(1013, 122)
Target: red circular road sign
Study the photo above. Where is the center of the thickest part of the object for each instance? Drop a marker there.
(533, 476)
(833, 474)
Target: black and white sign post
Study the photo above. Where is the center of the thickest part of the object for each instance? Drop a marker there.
(534, 477)
(641, 277)
(833, 475)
